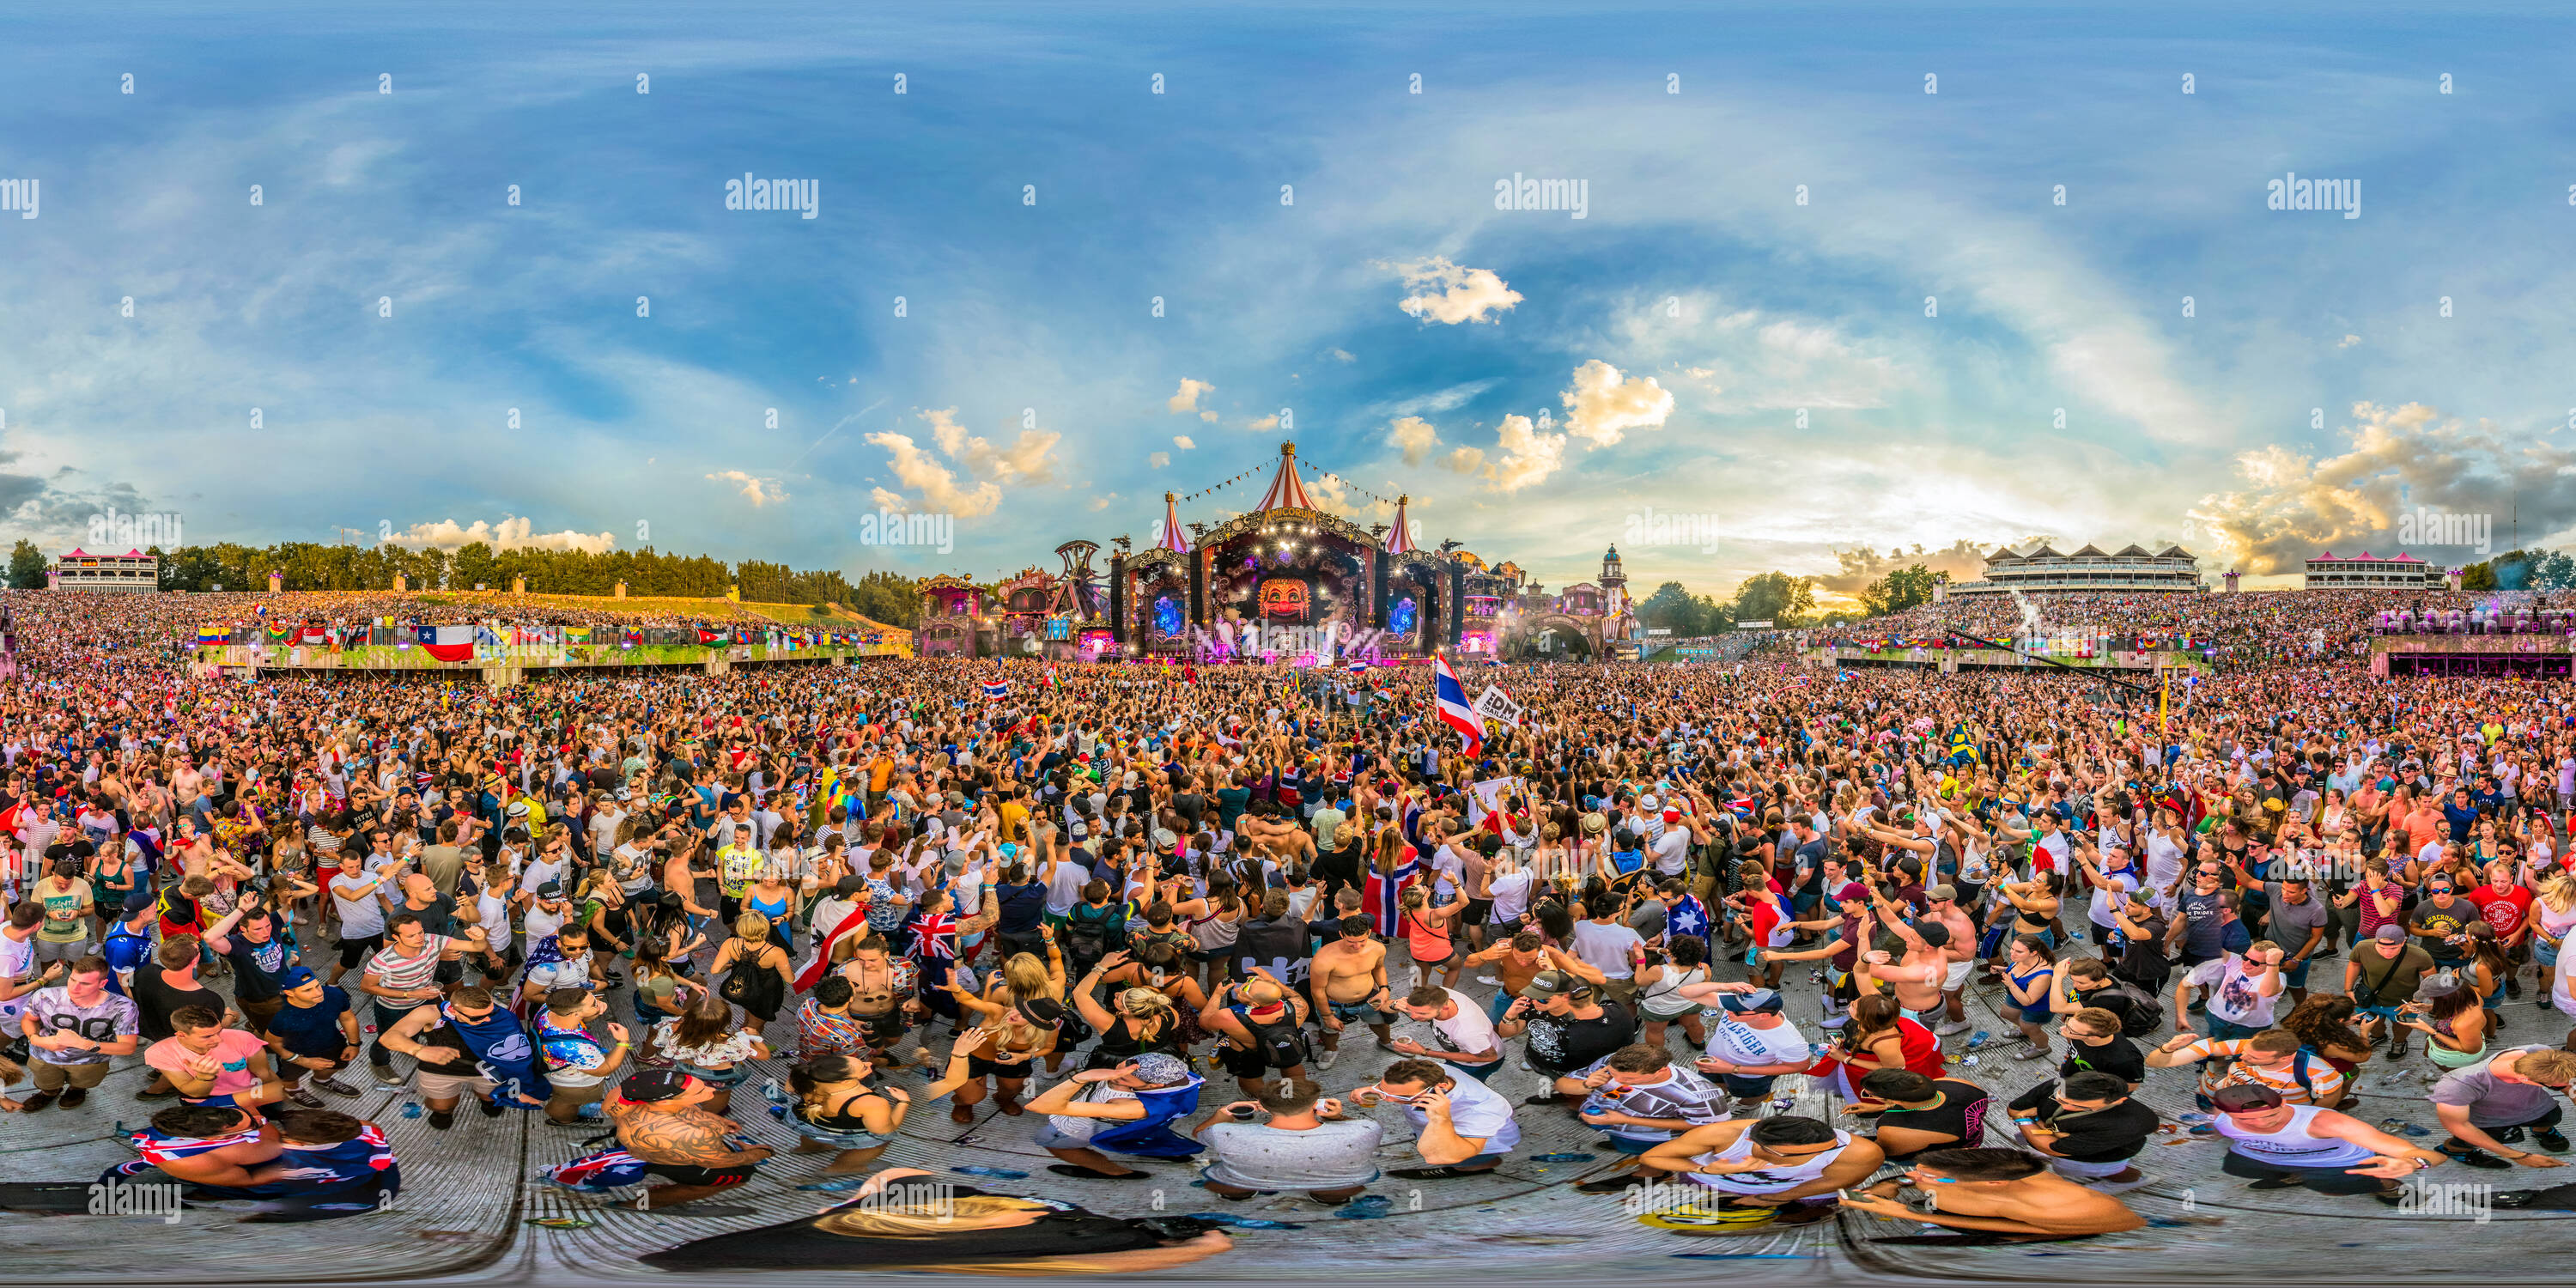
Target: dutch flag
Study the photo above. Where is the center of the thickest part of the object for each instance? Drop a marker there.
(997, 692)
(1454, 710)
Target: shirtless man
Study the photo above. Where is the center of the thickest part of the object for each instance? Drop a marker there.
(1923, 975)
(1943, 906)
(882, 997)
(2001, 1191)
(1517, 961)
(1348, 982)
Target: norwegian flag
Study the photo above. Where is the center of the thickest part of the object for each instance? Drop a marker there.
(1384, 893)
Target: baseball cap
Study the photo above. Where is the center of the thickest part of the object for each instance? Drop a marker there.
(2245, 1098)
(1080, 829)
(1556, 983)
(657, 1085)
(1943, 891)
(297, 977)
(2391, 933)
(1163, 838)
(1755, 1002)
(1155, 1067)
(1854, 892)
(550, 890)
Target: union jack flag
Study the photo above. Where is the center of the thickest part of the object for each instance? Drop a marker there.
(1385, 893)
(935, 935)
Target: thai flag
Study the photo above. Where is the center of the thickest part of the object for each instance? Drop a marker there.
(1384, 894)
(997, 692)
(1454, 711)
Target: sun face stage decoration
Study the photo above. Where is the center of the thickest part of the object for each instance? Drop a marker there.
(1168, 617)
(1402, 617)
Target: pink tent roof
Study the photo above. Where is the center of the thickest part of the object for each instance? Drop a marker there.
(1172, 539)
(1399, 540)
(1287, 491)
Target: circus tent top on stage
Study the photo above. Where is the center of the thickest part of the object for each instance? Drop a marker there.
(1287, 491)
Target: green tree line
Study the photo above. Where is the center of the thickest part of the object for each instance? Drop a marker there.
(883, 596)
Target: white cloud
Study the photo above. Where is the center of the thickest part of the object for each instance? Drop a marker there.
(1339, 355)
(1159, 459)
(1266, 422)
(1208, 416)
(1182, 441)
(1601, 407)
(758, 491)
(1029, 459)
(936, 483)
(2396, 460)
(1446, 292)
(1527, 457)
(509, 534)
(1415, 436)
(2349, 341)
(1466, 460)
(1188, 398)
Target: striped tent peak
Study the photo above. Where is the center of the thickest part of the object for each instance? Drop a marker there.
(1399, 539)
(1172, 539)
(1287, 491)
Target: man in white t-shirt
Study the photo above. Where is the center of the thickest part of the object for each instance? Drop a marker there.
(1609, 945)
(2242, 990)
(1753, 1043)
(1462, 1127)
(1465, 1033)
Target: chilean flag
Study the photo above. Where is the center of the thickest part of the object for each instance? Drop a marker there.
(448, 643)
(1454, 711)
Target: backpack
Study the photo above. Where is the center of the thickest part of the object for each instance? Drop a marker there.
(2142, 1016)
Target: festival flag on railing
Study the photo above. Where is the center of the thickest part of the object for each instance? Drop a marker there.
(709, 637)
(448, 643)
(278, 634)
(210, 635)
(576, 635)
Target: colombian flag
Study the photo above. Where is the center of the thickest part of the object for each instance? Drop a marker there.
(210, 635)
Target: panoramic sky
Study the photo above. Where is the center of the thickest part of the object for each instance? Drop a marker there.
(1835, 280)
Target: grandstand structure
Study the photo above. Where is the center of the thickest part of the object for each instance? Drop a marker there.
(2172, 570)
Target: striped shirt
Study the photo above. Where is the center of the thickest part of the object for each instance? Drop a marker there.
(399, 973)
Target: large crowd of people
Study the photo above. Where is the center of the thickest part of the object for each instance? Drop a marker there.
(1152, 913)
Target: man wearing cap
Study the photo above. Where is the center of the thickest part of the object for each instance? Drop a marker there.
(1126, 1109)
(2278, 1145)
(314, 1030)
(2382, 975)
(1568, 1027)
(1752, 1043)
(660, 1116)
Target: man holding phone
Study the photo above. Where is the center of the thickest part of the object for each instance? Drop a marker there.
(1303, 1143)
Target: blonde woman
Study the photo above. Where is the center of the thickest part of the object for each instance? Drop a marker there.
(755, 970)
(1004, 1051)
(2552, 915)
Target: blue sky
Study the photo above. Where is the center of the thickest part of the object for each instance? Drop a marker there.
(1673, 336)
